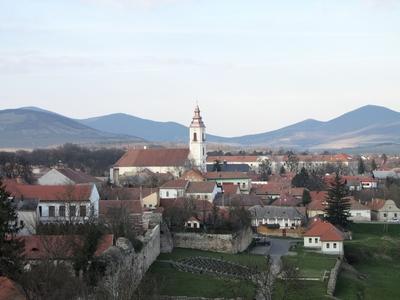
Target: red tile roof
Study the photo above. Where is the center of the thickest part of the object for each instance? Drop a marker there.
(200, 205)
(153, 158)
(175, 184)
(201, 187)
(59, 246)
(325, 231)
(77, 176)
(128, 193)
(193, 175)
(130, 206)
(230, 189)
(318, 200)
(227, 175)
(286, 200)
(51, 192)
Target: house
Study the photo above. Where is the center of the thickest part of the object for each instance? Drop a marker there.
(285, 217)
(27, 214)
(193, 222)
(358, 211)
(241, 179)
(162, 160)
(202, 190)
(148, 196)
(384, 210)
(316, 208)
(66, 176)
(325, 237)
(174, 189)
(60, 203)
(230, 189)
(287, 200)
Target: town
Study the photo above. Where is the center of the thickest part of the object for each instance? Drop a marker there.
(200, 221)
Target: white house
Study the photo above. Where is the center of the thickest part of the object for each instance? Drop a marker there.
(27, 215)
(202, 190)
(193, 222)
(286, 217)
(61, 203)
(241, 179)
(325, 237)
(173, 189)
(385, 210)
(66, 176)
(162, 160)
(359, 212)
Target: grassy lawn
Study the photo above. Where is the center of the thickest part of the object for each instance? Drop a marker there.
(176, 283)
(375, 256)
(307, 290)
(255, 261)
(173, 282)
(311, 264)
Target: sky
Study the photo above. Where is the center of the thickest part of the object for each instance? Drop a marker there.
(252, 66)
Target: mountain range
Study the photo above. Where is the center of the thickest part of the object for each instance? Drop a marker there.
(32, 127)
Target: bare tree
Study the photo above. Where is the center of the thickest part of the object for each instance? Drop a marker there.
(265, 280)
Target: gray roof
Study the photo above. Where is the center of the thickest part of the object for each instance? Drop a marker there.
(271, 212)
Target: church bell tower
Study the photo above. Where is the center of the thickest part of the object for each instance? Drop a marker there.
(197, 139)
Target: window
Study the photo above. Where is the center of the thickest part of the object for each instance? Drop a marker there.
(334, 245)
(206, 197)
(327, 246)
(72, 211)
(204, 136)
(385, 215)
(21, 223)
(195, 225)
(244, 185)
(52, 211)
(194, 136)
(61, 211)
(150, 205)
(310, 240)
(40, 211)
(316, 240)
(395, 215)
(167, 193)
(82, 211)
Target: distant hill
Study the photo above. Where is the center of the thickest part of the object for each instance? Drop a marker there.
(150, 130)
(368, 127)
(363, 127)
(32, 128)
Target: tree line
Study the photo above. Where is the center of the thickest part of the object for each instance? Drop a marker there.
(95, 162)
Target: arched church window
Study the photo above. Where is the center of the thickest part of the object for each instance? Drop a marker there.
(195, 136)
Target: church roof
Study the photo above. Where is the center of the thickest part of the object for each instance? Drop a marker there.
(153, 158)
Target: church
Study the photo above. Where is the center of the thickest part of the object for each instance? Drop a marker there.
(166, 160)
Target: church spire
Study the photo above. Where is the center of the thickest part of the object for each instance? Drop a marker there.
(197, 120)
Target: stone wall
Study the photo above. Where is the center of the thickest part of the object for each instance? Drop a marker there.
(151, 248)
(226, 243)
(333, 277)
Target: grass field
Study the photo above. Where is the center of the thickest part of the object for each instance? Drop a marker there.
(375, 256)
(173, 282)
(311, 264)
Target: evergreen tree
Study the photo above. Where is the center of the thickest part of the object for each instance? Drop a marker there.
(301, 179)
(10, 247)
(361, 166)
(338, 207)
(306, 198)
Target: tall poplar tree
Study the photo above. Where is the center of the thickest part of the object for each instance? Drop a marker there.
(337, 210)
(10, 247)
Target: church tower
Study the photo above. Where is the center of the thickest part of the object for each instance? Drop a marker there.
(197, 144)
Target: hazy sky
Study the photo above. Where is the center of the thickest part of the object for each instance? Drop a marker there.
(252, 65)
